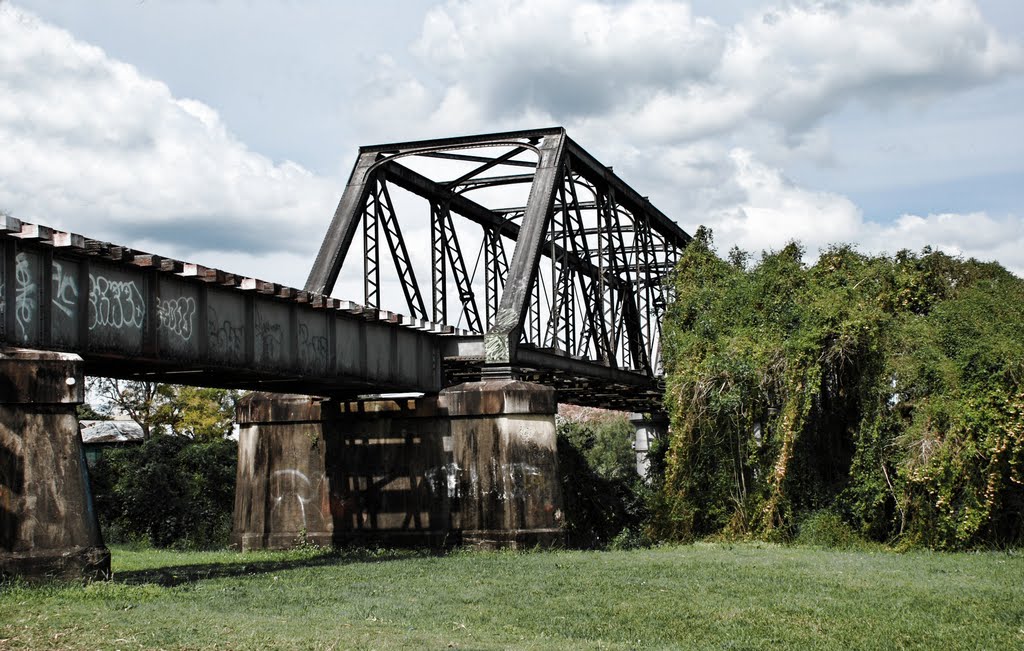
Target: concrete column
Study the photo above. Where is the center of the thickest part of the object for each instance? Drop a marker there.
(330, 472)
(503, 438)
(648, 428)
(48, 528)
(282, 496)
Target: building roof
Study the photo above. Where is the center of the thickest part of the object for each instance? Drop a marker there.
(110, 431)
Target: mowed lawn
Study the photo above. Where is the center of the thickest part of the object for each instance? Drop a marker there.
(703, 596)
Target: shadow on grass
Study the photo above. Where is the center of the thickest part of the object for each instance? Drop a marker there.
(174, 575)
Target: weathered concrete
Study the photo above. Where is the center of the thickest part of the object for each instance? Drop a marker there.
(503, 436)
(649, 428)
(282, 497)
(334, 472)
(474, 465)
(48, 528)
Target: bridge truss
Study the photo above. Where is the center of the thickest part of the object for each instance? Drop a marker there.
(566, 286)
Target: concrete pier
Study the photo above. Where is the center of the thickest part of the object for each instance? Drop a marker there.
(48, 528)
(474, 465)
(649, 428)
(503, 436)
(282, 495)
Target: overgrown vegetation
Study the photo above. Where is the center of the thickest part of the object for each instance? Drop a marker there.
(169, 491)
(883, 392)
(605, 499)
(177, 488)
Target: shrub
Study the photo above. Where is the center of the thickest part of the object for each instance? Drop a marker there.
(884, 390)
(826, 529)
(605, 499)
(169, 491)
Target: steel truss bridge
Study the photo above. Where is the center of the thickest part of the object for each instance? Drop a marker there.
(510, 255)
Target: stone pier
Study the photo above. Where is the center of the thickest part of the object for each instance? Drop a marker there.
(503, 436)
(649, 428)
(474, 465)
(282, 495)
(48, 528)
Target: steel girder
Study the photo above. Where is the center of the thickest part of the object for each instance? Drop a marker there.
(589, 255)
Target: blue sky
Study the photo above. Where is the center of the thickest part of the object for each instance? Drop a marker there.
(222, 131)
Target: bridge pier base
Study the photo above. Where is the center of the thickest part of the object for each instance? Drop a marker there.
(503, 437)
(48, 528)
(474, 465)
(282, 495)
(649, 428)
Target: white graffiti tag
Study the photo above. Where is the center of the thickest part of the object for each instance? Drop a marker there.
(115, 303)
(25, 294)
(291, 492)
(177, 315)
(65, 290)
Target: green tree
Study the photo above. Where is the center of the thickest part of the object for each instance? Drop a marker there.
(199, 413)
(886, 390)
(169, 491)
(143, 402)
(605, 499)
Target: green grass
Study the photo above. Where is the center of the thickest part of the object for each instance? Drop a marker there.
(704, 596)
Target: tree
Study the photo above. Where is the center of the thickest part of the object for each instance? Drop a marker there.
(197, 413)
(887, 391)
(143, 402)
(605, 500)
(169, 491)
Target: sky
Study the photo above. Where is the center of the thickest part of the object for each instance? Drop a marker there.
(222, 131)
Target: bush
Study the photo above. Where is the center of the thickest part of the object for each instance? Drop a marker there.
(605, 499)
(826, 529)
(888, 391)
(167, 492)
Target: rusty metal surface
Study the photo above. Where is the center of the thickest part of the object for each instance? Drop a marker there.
(579, 269)
(136, 315)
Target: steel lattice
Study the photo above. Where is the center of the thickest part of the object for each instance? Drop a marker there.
(571, 279)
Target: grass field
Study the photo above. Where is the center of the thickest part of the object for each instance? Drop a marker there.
(704, 596)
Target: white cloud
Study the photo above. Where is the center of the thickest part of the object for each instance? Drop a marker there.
(655, 73)
(773, 211)
(701, 116)
(93, 146)
(974, 235)
(770, 211)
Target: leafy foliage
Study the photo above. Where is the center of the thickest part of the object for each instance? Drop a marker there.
(605, 500)
(197, 413)
(885, 390)
(169, 491)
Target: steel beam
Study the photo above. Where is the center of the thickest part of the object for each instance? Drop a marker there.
(503, 337)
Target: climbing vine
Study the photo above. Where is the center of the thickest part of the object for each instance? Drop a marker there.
(885, 390)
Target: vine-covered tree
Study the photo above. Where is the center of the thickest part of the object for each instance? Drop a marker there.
(886, 390)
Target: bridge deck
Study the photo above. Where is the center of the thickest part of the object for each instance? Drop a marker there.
(132, 314)
(136, 315)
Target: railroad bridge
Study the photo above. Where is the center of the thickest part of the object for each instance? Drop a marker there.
(500, 275)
